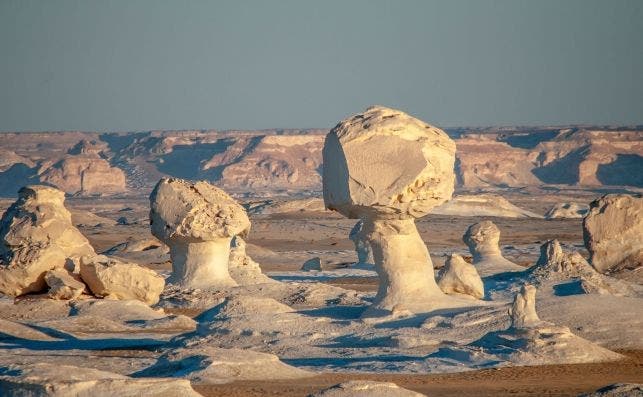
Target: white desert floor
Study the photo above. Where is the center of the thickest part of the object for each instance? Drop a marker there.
(311, 320)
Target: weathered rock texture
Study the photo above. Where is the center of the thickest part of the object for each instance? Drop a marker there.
(197, 221)
(243, 269)
(362, 246)
(460, 277)
(64, 284)
(37, 235)
(54, 380)
(366, 388)
(483, 240)
(613, 233)
(532, 341)
(364, 177)
(567, 210)
(113, 279)
(211, 365)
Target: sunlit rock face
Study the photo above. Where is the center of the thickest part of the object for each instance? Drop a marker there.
(37, 235)
(197, 221)
(388, 168)
(613, 233)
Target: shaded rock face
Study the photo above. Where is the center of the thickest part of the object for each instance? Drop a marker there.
(483, 240)
(364, 178)
(37, 235)
(613, 233)
(197, 221)
(113, 279)
(460, 277)
(362, 246)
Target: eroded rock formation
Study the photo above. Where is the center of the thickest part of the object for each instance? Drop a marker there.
(613, 233)
(483, 240)
(197, 221)
(460, 277)
(37, 235)
(364, 178)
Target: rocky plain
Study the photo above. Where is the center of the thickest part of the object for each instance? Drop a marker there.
(384, 257)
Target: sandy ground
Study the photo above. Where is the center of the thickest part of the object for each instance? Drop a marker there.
(546, 380)
(282, 242)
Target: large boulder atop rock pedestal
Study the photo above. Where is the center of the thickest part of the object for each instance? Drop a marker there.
(37, 235)
(385, 162)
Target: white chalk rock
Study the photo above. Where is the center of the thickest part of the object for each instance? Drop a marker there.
(617, 390)
(242, 268)
(388, 168)
(211, 365)
(531, 341)
(312, 264)
(54, 380)
(37, 235)
(366, 388)
(362, 246)
(63, 284)
(483, 239)
(113, 279)
(460, 277)
(613, 233)
(197, 221)
(567, 210)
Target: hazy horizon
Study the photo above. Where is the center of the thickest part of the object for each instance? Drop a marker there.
(163, 65)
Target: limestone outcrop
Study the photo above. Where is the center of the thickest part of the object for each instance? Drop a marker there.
(37, 235)
(54, 380)
(63, 284)
(366, 388)
(532, 341)
(613, 233)
(460, 277)
(85, 175)
(112, 279)
(242, 268)
(567, 210)
(197, 221)
(210, 365)
(363, 177)
(362, 246)
(483, 238)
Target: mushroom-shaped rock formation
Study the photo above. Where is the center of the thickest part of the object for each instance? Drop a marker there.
(197, 221)
(482, 239)
(388, 168)
(242, 268)
(613, 233)
(366, 388)
(460, 277)
(362, 246)
(37, 235)
(113, 279)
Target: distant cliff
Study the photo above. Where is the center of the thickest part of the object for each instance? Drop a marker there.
(88, 163)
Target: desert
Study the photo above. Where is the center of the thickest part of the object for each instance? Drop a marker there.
(353, 280)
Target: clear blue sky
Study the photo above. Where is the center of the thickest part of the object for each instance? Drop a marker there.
(154, 64)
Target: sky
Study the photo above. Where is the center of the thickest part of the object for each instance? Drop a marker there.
(137, 65)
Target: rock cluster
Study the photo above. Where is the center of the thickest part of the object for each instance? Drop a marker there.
(37, 235)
